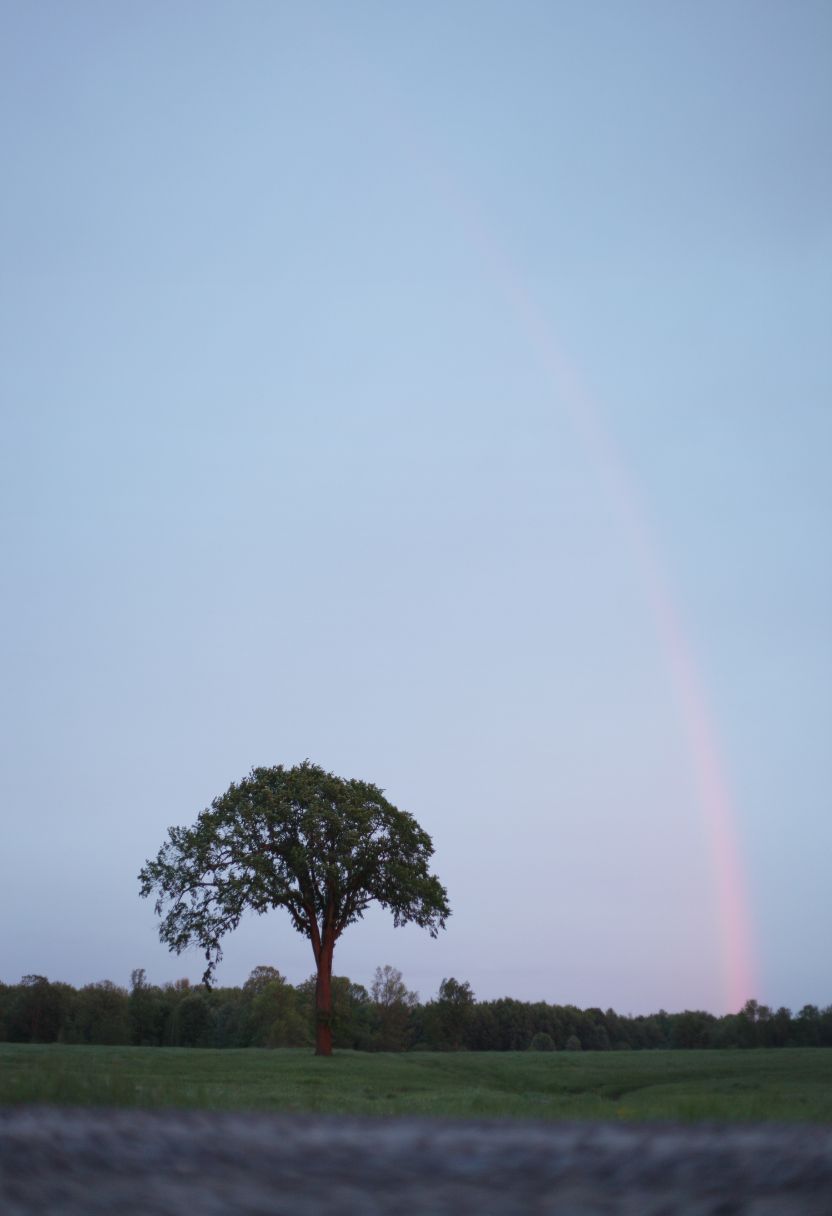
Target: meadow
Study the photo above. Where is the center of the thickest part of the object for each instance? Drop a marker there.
(786, 1084)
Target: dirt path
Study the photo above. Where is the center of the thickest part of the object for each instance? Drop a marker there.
(126, 1163)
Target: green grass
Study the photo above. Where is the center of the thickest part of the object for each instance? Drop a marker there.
(789, 1084)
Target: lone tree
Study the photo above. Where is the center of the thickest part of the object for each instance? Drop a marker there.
(301, 839)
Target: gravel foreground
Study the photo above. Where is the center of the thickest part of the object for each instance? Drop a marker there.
(84, 1162)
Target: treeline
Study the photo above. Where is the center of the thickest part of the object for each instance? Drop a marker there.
(269, 1012)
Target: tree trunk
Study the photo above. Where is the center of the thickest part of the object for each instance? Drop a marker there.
(323, 1000)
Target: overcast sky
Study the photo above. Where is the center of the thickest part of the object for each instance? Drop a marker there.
(291, 467)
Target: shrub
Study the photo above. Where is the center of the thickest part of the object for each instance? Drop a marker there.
(542, 1042)
(573, 1043)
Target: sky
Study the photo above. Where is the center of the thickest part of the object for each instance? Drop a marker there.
(441, 392)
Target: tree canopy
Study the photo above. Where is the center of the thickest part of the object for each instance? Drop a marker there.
(322, 847)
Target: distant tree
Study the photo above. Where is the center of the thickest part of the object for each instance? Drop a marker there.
(780, 1027)
(692, 1028)
(388, 988)
(484, 1031)
(808, 1026)
(393, 1004)
(745, 1025)
(617, 1029)
(231, 1024)
(514, 1019)
(37, 1009)
(6, 995)
(191, 1023)
(826, 1027)
(352, 1011)
(302, 839)
(260, 979)
(102, 1015)
(595, 1036)
(145, 1011)
(272, 1018)
(454, 1009)
(542, 1042)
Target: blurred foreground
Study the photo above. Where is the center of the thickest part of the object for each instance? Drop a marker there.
(84, 1162)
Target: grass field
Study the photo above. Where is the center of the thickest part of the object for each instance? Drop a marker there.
(785, 1084)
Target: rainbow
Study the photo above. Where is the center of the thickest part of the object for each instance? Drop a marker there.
(717, 806)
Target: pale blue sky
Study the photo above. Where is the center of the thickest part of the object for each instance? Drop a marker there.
(284, 472)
